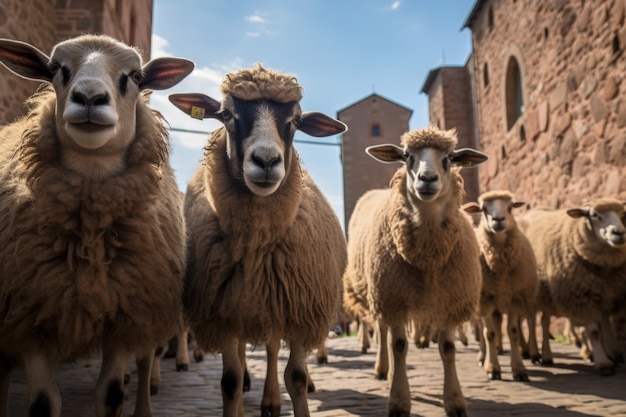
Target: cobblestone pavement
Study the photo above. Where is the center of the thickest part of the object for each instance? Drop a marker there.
(346, 386)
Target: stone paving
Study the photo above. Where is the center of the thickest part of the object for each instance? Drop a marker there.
(346, 386)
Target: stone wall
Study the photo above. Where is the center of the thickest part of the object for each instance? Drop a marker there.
(570, 142)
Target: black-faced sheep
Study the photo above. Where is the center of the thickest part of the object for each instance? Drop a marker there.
(510, 282)
(266, 251)
(92, 247)
(581, 262)
(412, 254)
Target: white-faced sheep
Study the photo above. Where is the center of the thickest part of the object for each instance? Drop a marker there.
(266, 251)
(92, 247)
(412, 254)
(510, 282)
(581, 262)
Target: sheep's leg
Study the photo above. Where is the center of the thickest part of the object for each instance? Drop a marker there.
(491, 366)
(453, 401)
(322, 353)
(271, 402)
(146, 364)
(497, 327)
(44, 398)
(381, 368)
(482, 351)
(462, 335)
(110, 385)
(364, 337)
(524, 344)
(296, 379)
(610, 340)
(182, 350)
(546, 352)
(232, 380)
(601, 363)
(517, 364)
(6, 370)
(533, 348)
(399, 393)
(153, 372)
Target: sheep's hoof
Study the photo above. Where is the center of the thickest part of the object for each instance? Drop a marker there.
(310, 387)
(322, 360)
(382, 376)
(535, 360)
(270, 411)
(398, 413)
(521, 378)
(364, 350)
(525, 355)
(198, 357)
(457, 413)
(494, 375)
(154, 389)
(182, 367)
(246, 381)
(547, 362)
(481, 363)
(606, 371)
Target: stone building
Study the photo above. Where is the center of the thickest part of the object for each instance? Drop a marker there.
(372, 120)
(43, 23)
(546, 78)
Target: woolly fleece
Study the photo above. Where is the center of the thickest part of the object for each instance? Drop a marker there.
(83, 260)
(580, 276)
(260, 266)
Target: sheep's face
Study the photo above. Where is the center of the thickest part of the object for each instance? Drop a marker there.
(428, 167)
(607, 224)
(260, 140)
(259, 135)
(97, 81)
(498, 214)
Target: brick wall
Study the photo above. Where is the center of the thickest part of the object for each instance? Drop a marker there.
(360, 171)
(570, 142)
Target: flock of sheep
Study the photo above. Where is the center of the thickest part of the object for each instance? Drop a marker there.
(100, 252)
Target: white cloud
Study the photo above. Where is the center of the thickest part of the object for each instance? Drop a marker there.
(255, 18)
(395, 5)
(159, 47)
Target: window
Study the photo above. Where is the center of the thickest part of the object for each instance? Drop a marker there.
(375, 130)
(514, 96)
(486, 74)
(490, 19)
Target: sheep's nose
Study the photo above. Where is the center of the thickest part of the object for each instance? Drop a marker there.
(427, 177)
(266, 163)
(98, 99)
(618, 235)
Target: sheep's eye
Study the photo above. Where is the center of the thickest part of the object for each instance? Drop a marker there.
(226, 115)
(296, 120)
(445, 163)
(136, 76)
(54, 67)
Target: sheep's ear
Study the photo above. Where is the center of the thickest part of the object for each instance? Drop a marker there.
(577, 213)
(471, 207)
(320, 125)
(198, 106)
(166, 72)
(517, 204)
(467, 157)
(387, 153)
(25, 60)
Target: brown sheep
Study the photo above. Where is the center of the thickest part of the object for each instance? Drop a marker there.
(412, 254)
(266, 251)
(581, 262)
(92, 240)
(510, 282)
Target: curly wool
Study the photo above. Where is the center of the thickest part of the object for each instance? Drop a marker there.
(85, 260)
(431, 137)
(270, 269)
(261, 84)
(580, 276)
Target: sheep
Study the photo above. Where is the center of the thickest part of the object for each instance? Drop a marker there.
(92, 247)
(266, 251)
(510, 282)
(412, 254)
(581, 262)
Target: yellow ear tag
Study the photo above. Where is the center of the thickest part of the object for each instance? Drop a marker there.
(197, 112)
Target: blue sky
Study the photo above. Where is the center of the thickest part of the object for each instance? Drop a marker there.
(340, 51)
